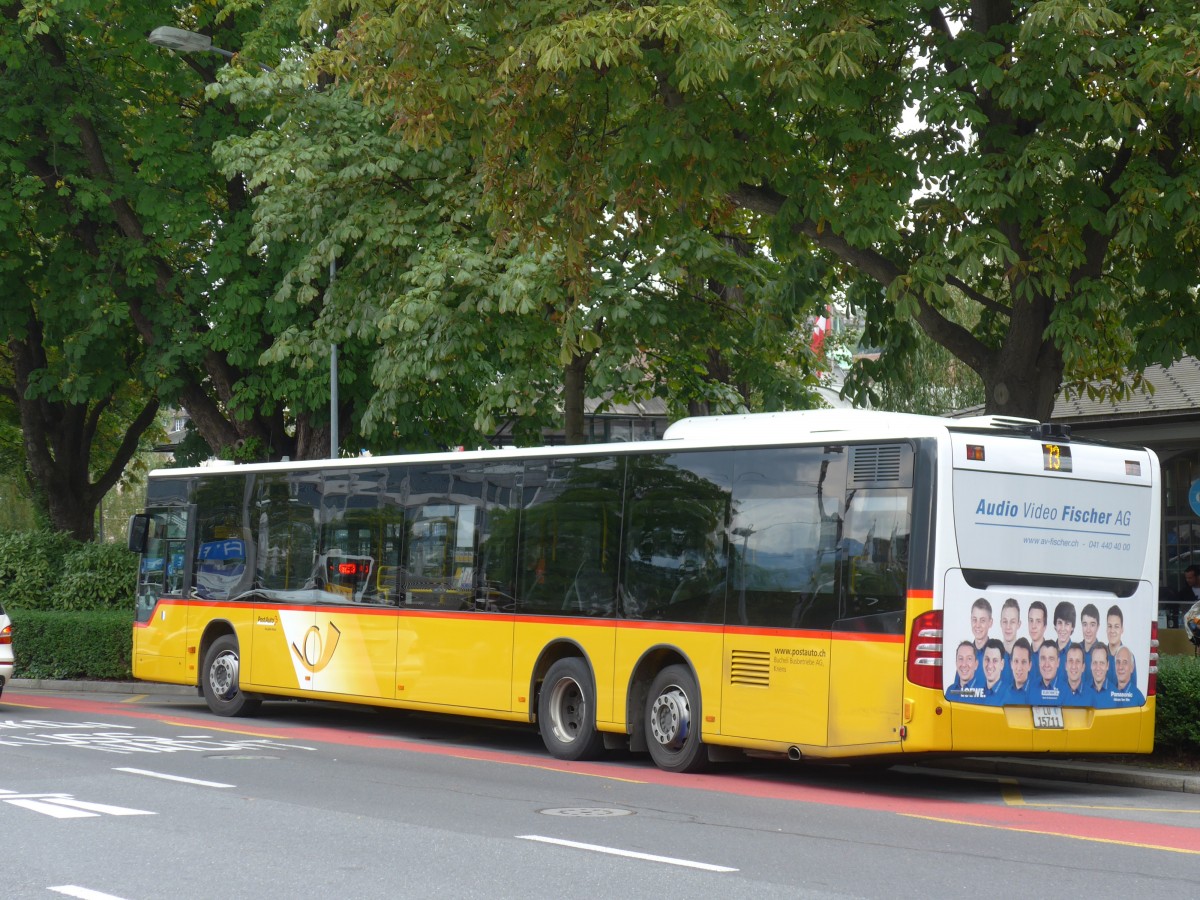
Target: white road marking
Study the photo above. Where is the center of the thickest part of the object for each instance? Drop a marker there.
(48, 809)
(163, 775)
(72, 890)
(613, 851)
(64, 806)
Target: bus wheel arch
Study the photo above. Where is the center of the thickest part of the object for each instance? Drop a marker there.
(220, 674)
(652, 662)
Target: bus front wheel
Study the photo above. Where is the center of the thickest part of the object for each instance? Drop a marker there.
(567, 711)
(672, 722)
(220, 680)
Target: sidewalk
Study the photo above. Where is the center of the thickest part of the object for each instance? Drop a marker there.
(1086, 771)
(1079, 770)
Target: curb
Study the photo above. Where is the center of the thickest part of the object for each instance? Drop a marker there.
(1076, 771)
(107, 687)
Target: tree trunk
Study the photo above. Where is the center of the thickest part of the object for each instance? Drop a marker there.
(58, 439)
(1023, 377)
(574, 390)
(312, 442)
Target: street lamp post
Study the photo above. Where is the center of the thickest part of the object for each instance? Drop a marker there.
(183, 41)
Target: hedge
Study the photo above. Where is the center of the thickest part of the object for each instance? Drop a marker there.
(49, 570)
(73, 645)
(1177, 726)
(31, 562)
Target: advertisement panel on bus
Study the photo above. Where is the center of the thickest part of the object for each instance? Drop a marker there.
(1072, 626)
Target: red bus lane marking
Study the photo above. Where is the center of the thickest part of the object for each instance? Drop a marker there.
(1023, 819)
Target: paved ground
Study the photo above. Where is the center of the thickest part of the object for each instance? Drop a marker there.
(1085, 770)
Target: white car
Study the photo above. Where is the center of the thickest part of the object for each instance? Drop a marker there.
(6, 651)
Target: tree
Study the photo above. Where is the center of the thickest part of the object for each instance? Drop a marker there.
(1048, 176)
(474, 328)
(106, 158)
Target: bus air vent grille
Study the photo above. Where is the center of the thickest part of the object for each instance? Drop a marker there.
(751, 667)
(872, 465)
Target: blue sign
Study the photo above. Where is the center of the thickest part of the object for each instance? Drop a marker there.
(1194, 496)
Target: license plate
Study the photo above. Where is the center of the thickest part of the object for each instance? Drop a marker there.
(1047, 717)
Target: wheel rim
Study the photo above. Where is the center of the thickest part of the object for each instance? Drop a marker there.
(567, 710)
(223, 675)
(671, 718)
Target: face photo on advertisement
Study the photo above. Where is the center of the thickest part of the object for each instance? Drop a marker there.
(1124, 664)
(981, 622)
(1048, 663)
(1099, 667)
(1115, 629)
(1075, 667)
(1036, 622)
(1089, 624)
(1021, 662)
(1064, 624)
(966, 663)
(993, 663)
(1010, 623)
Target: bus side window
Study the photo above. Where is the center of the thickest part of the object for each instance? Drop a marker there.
(676, 550)
(570, 529)
(875, 544)
(784, 536)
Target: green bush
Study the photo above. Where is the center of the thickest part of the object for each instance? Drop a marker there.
(96, 576)
(73, 645)
(1177, 727)
(31, 563)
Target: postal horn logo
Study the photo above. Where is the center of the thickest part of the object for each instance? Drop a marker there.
(317, 651)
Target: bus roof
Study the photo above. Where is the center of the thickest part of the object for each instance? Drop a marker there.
(696, 432)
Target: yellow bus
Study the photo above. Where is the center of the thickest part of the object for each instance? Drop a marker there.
(825, 584)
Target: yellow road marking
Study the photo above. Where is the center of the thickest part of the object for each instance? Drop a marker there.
(1010, 791)
(135, 698)
(552, 769)
(1149, 809)
(1062, 834)
(206, 727)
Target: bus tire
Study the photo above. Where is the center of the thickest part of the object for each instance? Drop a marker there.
(220, 680)
(567, 711)
(672, 721)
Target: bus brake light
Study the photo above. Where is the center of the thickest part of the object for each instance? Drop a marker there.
(925, 650)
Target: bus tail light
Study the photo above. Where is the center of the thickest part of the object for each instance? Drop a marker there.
(925, 650)
(1153, 683)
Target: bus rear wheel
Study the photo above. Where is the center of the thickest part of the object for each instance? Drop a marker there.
(220, 680)
(672, 722)
(567, 711)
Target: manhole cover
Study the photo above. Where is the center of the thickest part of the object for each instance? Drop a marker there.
(585, 811)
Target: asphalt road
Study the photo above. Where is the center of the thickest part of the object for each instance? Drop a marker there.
(136, 795)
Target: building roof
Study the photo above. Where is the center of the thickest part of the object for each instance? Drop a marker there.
(1176, 392)
(652, 406)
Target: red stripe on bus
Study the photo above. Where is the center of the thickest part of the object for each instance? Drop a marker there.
(813, 634)
(666, 626)
(868, 638)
